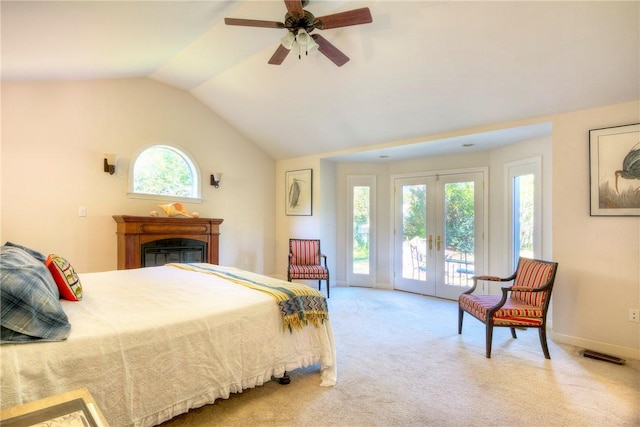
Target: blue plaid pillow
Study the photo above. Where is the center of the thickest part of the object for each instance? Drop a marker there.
(37, 255)
(30, 307)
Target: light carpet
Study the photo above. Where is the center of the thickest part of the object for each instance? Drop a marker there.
(401, 362)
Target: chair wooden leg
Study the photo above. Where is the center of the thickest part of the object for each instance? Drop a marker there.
(489, 339)
(543, 340)
(460, 315)
(320, 286)
(513, 332)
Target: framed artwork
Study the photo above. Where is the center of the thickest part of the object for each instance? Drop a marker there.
(298, 192)
(614, 156)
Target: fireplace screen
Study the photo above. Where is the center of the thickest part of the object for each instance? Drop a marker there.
(160, 252)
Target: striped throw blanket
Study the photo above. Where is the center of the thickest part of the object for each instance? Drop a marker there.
(298, 303)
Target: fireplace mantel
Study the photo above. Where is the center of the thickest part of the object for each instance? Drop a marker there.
(134, 231)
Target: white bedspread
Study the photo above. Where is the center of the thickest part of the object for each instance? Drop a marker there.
(152, 343)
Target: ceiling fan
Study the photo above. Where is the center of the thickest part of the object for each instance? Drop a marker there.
(300, 23)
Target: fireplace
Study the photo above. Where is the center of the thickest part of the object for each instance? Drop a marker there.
(151, 241)
(160, 252)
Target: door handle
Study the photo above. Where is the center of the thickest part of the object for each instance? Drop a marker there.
(437, 243)
(430, 239)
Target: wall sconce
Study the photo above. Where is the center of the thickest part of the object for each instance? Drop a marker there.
(110, 160)
(216, 178)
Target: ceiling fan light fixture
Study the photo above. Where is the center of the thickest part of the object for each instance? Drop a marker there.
(303, 38)
(288, 40)
(305, 41)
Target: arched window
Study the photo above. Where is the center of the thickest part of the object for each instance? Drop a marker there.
(165, 171)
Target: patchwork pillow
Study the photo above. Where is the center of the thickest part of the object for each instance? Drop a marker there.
(30, 307)
(65, 277)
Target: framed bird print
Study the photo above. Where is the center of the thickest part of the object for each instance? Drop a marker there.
(614, 156)
(298, 195)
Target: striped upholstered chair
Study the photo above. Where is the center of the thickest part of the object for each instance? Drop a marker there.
(522, 305)
(304, 262)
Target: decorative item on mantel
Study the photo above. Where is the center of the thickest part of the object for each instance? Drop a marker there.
(175, 209)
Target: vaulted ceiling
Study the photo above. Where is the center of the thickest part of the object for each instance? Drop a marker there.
(421, 68)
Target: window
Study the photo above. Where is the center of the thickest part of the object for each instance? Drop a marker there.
(361, 222)
(165, 171)
(524, 194)
(361, 215)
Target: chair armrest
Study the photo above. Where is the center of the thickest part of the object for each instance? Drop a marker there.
(324, 259)
(489, 278)
(505, 293)
(521, 289)
(524, 289)
(475, 283)
(496, 278)
(498, 306)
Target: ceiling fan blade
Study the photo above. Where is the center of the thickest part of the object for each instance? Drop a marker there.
(253, 23)
(279, 55)
(330, 51)
(294, 6)
(344, 19)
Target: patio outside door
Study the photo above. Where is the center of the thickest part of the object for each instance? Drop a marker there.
(438, 233)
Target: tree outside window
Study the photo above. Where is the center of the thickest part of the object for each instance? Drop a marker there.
(165, 171)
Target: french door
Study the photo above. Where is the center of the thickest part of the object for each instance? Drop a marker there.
(438, 232)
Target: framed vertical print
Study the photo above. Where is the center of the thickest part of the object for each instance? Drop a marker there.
(614, 156)
(298, 197)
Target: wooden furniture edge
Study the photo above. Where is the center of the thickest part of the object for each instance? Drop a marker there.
(36, 405)
(133, 231)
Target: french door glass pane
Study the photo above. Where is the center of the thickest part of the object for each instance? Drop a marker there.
(361, 221)
(459, 232)
(414, 223)
(523, 214)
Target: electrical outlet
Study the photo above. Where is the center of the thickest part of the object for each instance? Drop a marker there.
(634, 315)
(82, 211)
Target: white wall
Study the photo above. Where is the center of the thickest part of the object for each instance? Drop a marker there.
(319, 225)
(53, 139)
(599, 272)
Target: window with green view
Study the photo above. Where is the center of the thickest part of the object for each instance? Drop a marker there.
(165, 171)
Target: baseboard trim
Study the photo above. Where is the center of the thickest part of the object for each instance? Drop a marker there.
(616, 350)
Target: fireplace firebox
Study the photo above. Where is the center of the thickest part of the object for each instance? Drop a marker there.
(161, 252)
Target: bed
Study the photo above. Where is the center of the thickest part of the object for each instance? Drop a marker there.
(152, 343)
